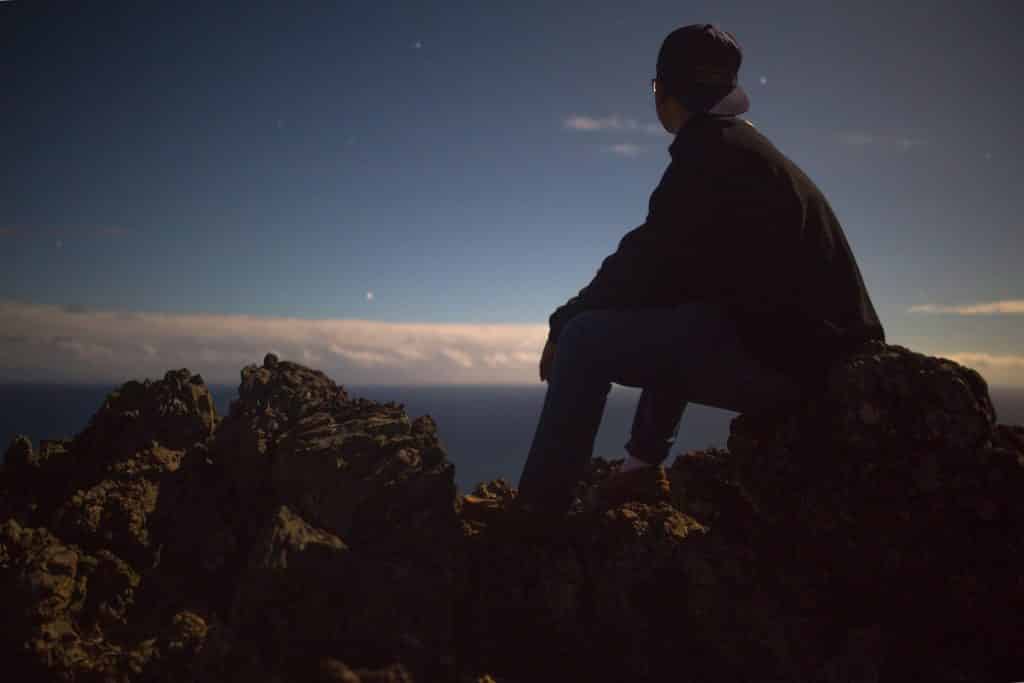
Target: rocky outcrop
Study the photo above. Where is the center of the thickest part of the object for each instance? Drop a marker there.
(871, 534)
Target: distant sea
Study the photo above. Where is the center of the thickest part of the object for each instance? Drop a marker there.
(486, 430)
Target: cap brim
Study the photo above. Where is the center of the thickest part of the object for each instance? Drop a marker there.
(734, 103)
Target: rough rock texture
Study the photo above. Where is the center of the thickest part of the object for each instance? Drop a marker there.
(873, 534)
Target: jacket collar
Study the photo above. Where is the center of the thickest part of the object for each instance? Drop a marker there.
(694, 127)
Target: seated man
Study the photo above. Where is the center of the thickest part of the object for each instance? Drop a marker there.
(737, 291)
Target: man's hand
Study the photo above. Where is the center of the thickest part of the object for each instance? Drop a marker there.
(547, 359)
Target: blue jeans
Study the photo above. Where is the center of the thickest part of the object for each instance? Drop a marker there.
(689, 352)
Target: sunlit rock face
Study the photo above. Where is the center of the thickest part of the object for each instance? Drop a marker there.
(873, 533)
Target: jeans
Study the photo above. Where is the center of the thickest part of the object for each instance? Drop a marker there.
(689, 352)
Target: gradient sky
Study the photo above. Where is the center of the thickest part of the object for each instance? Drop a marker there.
(403, 192)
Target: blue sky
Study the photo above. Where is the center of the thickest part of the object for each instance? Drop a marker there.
(403, 192)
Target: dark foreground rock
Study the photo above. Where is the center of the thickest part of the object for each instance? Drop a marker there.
(873, 534)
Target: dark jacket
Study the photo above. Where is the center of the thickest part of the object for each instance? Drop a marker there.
(734, 221)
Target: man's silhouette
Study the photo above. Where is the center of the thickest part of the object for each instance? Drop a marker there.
(736, 292)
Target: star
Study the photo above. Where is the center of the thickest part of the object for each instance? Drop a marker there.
(764, 80)
(60, 244)
(417, 45)
(369, 296)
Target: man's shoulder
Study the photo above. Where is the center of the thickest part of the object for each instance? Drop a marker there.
(753, 153)
(749, 140)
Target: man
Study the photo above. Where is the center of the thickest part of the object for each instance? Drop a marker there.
(737, 291)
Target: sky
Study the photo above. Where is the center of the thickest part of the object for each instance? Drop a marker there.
(403, 192)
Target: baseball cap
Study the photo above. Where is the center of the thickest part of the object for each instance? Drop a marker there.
(699, 64)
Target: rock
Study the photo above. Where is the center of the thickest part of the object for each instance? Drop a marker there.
(44, 585)
(292, 588)
(147, 417)
(19, 454)
(334, 671)
(111, 591)
(874, 533)
(352, 467)
(112, 514)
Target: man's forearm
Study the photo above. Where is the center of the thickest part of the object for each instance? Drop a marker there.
(624, 277)
(562, 315)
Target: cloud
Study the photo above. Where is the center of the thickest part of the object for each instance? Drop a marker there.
(1004, 370)
(590, 123)
(863, 138)
(613, 122)
(626, 149)
(1006, 307)
(971, 358)
(44, 342)
(458, 356)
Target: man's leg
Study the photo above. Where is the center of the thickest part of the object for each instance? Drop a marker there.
(725, 377)
(659, 412)
(692, 347)
(597, 347)
(571, 415)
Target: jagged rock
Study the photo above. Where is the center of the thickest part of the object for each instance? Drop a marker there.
(289, 388)
(199, 495)
(19, 454)
(354, 468)
(43, 586)
(112, 514)
(908, 432)
(111, 590)
(304, 589)
(293, 589)
(873, 533)
(175, 412)
(19, 481)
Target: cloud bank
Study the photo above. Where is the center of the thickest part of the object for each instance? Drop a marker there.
(1007, 307)
(41, 342)
(48, 343)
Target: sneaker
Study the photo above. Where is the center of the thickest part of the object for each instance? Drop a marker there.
(645, 485)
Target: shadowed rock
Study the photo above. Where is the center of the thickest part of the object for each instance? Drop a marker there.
(871, 534)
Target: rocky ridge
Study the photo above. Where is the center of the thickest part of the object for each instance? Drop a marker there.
(873, 534)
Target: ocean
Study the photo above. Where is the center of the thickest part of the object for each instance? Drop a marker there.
(486, 430)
